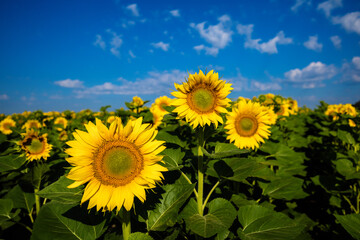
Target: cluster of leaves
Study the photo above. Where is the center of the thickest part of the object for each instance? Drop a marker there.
(303, 183)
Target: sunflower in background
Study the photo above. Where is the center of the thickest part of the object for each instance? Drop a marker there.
(35, 124)
(248, 125)
(35, 146)
(283, 110)
(158, 116)
(201, 99)
(117, 163)
(61, 121)
(6, 124)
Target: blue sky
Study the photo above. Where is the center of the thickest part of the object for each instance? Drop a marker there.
(58, 55)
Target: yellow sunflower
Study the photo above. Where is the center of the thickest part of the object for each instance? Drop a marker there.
(61, 121)
(272, 115)
(137, 101)
(111, 119)
(6, 124)
(35, 146)
(118, 163)
(32, 124)
(284, 110)
(352, 123)
(202, 98)
(161, 102)
(158, 116)
(248, 125)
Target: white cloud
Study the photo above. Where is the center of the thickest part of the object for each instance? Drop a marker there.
(68, 83)
(161, 45)
(336, 40)
(155, 83)
(132, 55)
(115, 43)
(351, 71)
(4, 97)
(269, 47)
(260, 86)
(219, 35)
(100, 42)
(311, 76)
(134, 10)
(313, 44)
(208, 50)
(241, 83)
(350, 22)
(299, 3)
(329, 5)
(175, 13)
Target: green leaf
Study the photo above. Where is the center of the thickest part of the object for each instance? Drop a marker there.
(11, 162)
(166, 212)
(345, 167)
(297, 141)
(351, 223)
(173, 158)
(263, 223)
(288, 188)
(345, 137)
(21, 199)
(38, 173)
(219, 218)
(6, 205)
(169, 138)
(224, 154)
(139, 236)
(59, 221)
(60, 192)
(236, 169)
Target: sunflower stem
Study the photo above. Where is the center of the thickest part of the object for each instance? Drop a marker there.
(200, 171)
(37, 201)
(126, 224)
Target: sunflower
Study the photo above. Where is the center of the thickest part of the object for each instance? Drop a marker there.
(158, 116)
(284, 110)
(35, 146)
(202, 98)
(137, 101)
(272, 115)
(32, 124)
(6, 124)
(162, 102)
(111, 119)
(117, 163)
(61, 121)
(352, 123)
(247, 125)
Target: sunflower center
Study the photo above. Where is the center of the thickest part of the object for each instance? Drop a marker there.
(35, 146)
(117, 163)
(7, 126)
(246, 126)
(202, 100)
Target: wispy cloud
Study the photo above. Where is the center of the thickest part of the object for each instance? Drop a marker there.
(299, 3)
(241, 83)
(175, 13)
(219, 35)
(68, 83)
(310, 76)
(336, 40)
(100, 42)
(351, 71)
(156, 83)
(328, 6)
(161, 45)
(350, 22)
(4, 97)
(313, 44)
(133, 9)
(269, 47)
(132, 55)
(115, 43)
(213, 51)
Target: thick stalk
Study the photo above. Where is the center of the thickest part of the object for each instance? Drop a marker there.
(200, 171)
(37, 201)
(126, 224)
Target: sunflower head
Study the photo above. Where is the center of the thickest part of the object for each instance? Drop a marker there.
(158, 115)
(35, 146)
(202, 98)
(137, 101)
(248, 125)
(283, 110)
(6, 124)
(117, 163)
(61, 121)
(35, 124)
(162, 102)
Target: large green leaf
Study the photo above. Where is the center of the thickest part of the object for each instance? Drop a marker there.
(263, 223)
(60, 221)
(169, 138)
(345, 167)
(166, 212)
(21, 199)
(11, 162)
(173, 158)
(139, 236)
(288, 188)
(60, 192)
(223, 150)
(345, 137)
(6, 205)
(219, 218)
(351, 223)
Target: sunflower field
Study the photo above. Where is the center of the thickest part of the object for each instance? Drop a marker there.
(195, 166)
